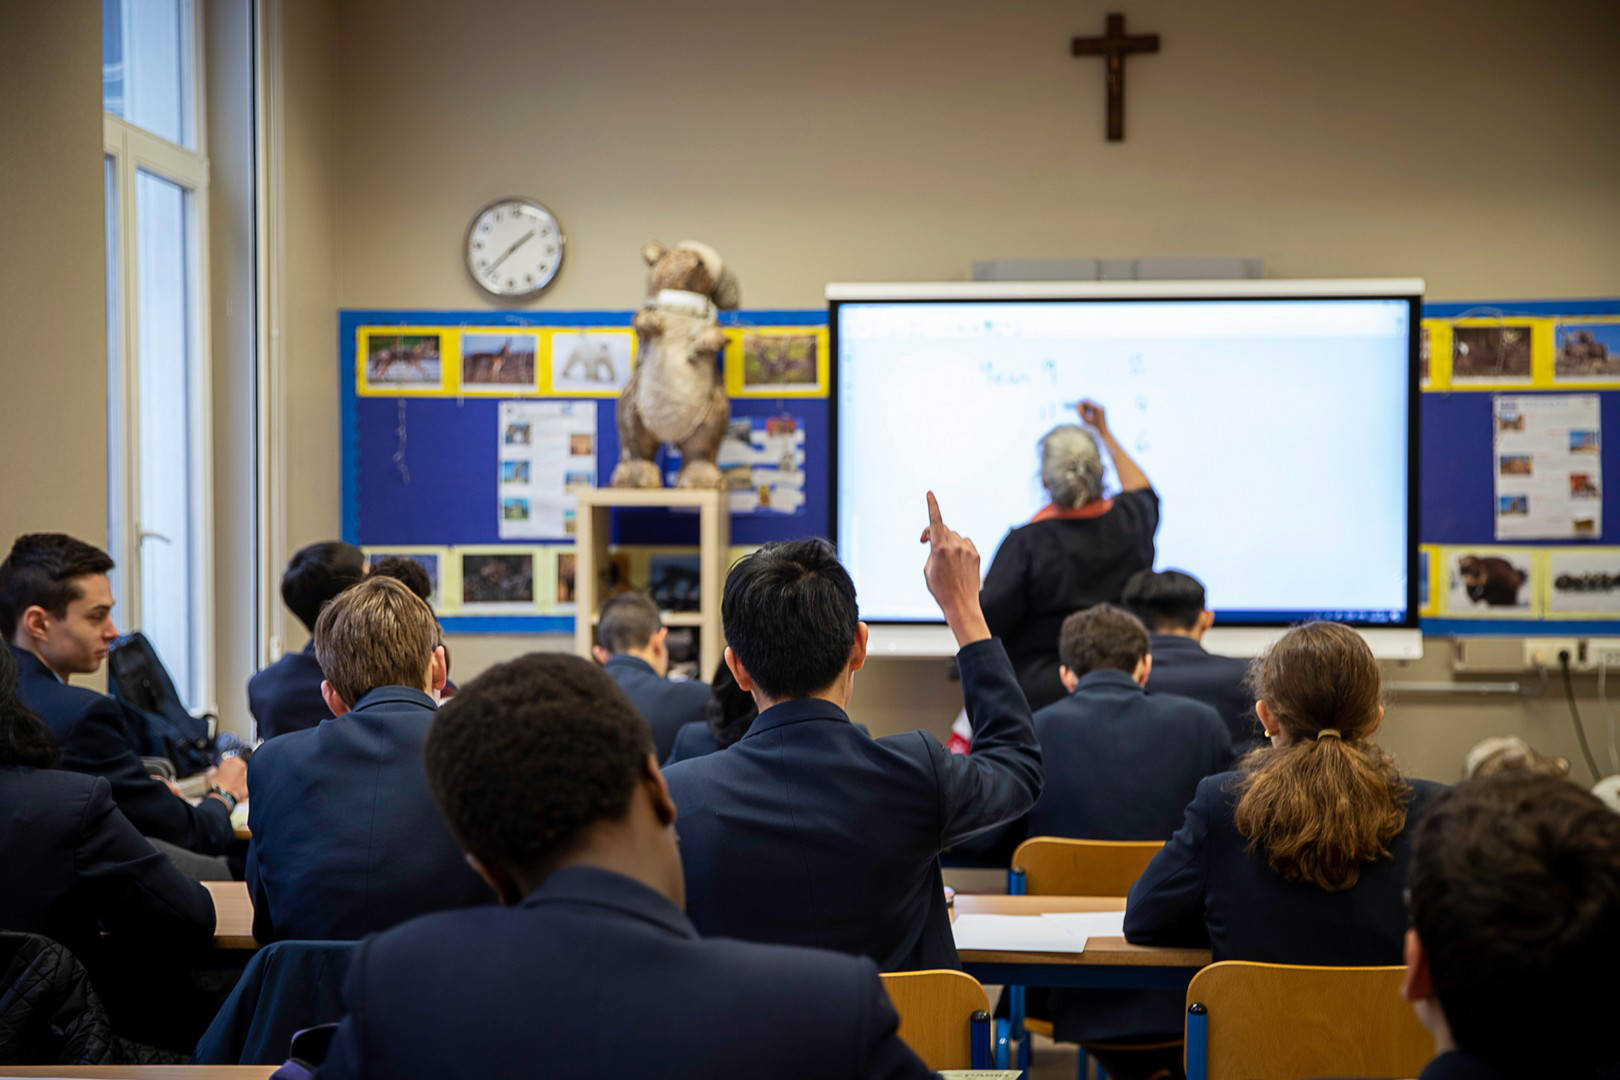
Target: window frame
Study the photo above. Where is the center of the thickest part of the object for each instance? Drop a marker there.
(133, 150)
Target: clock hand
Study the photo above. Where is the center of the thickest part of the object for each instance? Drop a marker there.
(519, 242)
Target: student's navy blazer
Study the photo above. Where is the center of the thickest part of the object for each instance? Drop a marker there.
(692, 740)
(1207, 888)
(666, 705)
(347, 839)
(809, 832)
(93, 732)
(74, 866)
(286, 696)
(1183, 666)
(595, 975)
(1122, 763)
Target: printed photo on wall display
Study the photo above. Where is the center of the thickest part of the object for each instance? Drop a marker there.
(567, 563)
(1490, 583)
(498, 581)
(596, 362)
(498, 363)
(430, 560)
(1583, 582)
(1490, 354)
(404, 361)
(1587, 352)
(1423, 356)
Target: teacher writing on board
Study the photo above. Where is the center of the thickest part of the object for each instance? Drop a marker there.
(1078, 551)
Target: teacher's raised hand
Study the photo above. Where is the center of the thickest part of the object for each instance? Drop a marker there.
(952, 573)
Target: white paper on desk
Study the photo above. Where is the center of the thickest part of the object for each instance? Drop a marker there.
(980, 1074)
(1049, 932)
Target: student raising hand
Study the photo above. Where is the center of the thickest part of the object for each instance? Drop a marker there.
(952, 573)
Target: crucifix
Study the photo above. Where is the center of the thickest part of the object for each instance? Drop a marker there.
(1116, 45)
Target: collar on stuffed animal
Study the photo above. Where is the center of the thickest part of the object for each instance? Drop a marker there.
(682, 302)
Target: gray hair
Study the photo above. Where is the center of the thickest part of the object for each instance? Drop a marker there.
(1071, 465)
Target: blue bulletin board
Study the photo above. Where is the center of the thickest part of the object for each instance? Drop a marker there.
(422, 474)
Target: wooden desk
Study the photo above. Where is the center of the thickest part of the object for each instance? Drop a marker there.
(242, 832)
(1107, 963)
(147, 1072)
(233, 915)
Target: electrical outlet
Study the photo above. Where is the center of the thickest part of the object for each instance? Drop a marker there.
(1542, 652)
(1602, 652)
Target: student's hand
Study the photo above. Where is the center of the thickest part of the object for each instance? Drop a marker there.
(230, 774)
(1093, 414)
(952, 573)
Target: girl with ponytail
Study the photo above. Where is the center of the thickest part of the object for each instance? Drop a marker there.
(1300, 855)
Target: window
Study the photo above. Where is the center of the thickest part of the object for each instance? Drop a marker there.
(159, 487)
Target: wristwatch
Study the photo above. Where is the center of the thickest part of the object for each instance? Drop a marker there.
(230, 800)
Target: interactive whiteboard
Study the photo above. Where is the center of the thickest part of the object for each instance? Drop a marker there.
(1276, 420)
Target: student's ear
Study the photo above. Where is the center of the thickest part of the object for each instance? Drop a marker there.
(439, 669)
(1068, 678)
(1205, 620)
(663, 802)
(738, 672)
(1267, 720)
(857, 652)
(334, 703)
(1144, 668)
(36, 622)
(600, 655)
(1378, 723)
(506, 890)
(660, 642)
(1418, 982)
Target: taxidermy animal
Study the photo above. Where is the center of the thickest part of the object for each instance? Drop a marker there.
(1493, 580)
(675, 395)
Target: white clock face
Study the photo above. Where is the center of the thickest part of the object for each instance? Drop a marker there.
(514, 247)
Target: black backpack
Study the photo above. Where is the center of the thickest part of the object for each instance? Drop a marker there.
(138, 680)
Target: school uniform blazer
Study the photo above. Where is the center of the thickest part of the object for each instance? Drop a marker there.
(808, 832)
(1207, 888)
(1182, 666)
(286, 696)
(75, 866)
(594, 975)
(347, 839)
(692, 740)
(665, 704)
(93, 733)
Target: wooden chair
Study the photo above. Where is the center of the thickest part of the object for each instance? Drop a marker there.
(1259, 1021)
(1060, 866)
(944, 1017)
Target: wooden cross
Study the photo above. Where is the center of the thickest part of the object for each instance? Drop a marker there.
(1116, 45)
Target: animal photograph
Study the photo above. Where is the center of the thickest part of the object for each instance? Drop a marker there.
(503, 362)
(587, 362)
(1489, 581)
(404, 361)
(1490, 352)
(1587, 352)
(779, 360)
(497, 578)
(567, 565)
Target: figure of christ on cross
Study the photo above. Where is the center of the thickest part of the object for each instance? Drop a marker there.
(1116, 45)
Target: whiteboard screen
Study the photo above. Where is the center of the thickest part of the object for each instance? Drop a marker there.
(1278, 432)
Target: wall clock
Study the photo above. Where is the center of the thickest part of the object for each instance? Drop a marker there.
(514, 248)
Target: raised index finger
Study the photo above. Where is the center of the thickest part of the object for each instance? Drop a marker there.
(935, 523)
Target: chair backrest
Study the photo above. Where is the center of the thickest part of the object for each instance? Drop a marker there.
(285, 988)
(1281, 1020)
(1059, 866)
(944, 1017)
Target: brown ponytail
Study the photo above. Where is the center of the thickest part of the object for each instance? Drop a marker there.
(1330, 800)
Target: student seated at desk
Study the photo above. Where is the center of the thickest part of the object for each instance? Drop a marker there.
(79, 873)
(588, 968)
(346, 838)
(1515, 938)
(635, 653)
(1171, 604)
(286, 696)
(56, 610)
(1300, 856)
(809, 832)
(730, 711)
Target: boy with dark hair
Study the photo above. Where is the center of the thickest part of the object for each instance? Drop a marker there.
(1515, 903)
(809, 832)
(1122, 763)
(548, 779)
(1172, 605)
(56, 610)
(286, 696)
(346, 839)
(634, 650)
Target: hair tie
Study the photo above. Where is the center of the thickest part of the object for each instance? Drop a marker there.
(1329, 733)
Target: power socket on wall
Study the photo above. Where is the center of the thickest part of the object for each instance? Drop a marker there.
(1540, 652)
